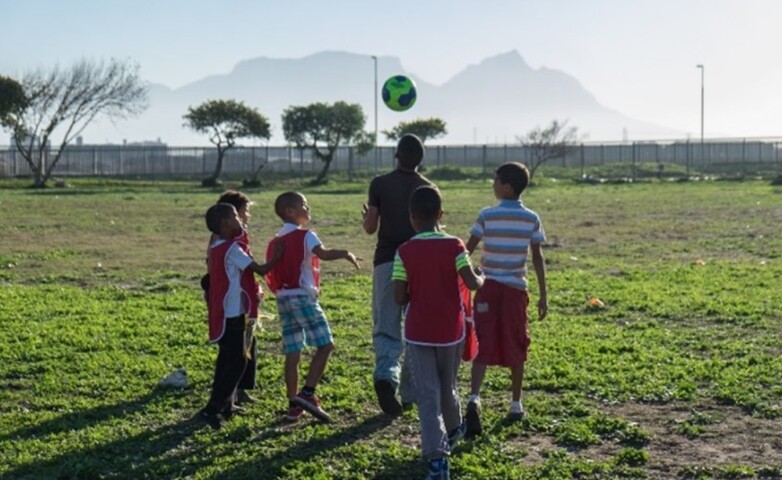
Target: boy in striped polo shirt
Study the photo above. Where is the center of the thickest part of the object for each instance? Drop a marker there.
(509, 232)
(428, 271)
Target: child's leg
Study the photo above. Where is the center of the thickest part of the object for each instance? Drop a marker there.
(292, 373)
(230, 366)
(426, 382)
(448, 359)
(516, 378)
(318, 365)
(477, 372)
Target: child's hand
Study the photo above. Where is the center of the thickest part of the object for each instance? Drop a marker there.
(279, 247)
(542, 307)
(364, 211)
(353, 259)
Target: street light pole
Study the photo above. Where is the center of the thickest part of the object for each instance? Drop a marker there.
(702, 75)
(374, 58)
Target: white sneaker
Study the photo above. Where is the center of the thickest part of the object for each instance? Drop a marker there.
(516, 411)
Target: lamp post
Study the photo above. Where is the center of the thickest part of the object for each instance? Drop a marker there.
(374, 58)
(702, 69)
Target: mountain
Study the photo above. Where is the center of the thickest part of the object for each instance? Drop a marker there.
(491, 102)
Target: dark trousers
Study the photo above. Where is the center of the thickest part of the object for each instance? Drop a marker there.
(231, 364)
(248, 379)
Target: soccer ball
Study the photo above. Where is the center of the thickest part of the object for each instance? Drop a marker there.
(399, 93)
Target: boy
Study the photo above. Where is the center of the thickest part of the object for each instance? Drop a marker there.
(389, 197)
(232, 301)
(242, 203)
(428, 270)
(295, 282)
(509, 231)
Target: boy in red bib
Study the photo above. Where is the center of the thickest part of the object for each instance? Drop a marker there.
(242, 203)
(295, 282)
(428, 273)
(232, 302)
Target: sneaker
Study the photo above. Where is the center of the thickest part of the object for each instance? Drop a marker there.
(243, 397)
(516, 412)
(386, 397)
(312, 405)
(438, 469)
(473, 419)
(214, 420)
(294, 413)
(455, 435)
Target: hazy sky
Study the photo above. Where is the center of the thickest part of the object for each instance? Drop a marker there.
(636, 56)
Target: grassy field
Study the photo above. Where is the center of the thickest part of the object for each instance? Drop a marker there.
(678, 375)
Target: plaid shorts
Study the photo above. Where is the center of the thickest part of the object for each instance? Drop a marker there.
(303, 323)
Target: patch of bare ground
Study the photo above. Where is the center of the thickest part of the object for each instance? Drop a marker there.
(734, 438)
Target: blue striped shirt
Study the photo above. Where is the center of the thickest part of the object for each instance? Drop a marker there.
(507, 230)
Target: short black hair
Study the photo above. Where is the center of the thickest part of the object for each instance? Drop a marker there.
(286, 200)
(410, 151)
(425, 203)
(216, 214)
(235, 198)
(514, 174)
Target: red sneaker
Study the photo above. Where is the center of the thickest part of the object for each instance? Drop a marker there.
(312, 405)
(294, 413)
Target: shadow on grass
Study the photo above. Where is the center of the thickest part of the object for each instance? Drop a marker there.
(273, 466)
(154, 453)
(81, 419)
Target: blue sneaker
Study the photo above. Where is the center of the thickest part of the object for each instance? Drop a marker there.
(455, 435)
(438, 469)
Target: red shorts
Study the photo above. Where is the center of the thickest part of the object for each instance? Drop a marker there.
(500, 314)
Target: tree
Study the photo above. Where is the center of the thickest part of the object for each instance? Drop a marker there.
(65, 101)
(554, 141)
(323, 128)
(423, 128)
(13, 101)
(225, 121)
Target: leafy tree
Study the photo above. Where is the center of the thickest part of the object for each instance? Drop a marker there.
(225, 121)
(554, 141)
(13, 101)
(423, 128)
(65, 101)
(323, 128)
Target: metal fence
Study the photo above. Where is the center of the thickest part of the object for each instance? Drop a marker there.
(637, 159)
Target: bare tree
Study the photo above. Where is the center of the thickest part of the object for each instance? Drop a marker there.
(553, 141)
(62, 102)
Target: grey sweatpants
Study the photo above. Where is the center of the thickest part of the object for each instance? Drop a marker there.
(433, 371)
(387, 333)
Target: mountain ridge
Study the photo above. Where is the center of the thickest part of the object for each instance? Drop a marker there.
(494, 100)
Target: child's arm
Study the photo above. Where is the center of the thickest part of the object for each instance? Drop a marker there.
(264, 268)
(472, 243)
(371, 216)
(334, 254)
(540, 272)
(401, 297)
(471, 278)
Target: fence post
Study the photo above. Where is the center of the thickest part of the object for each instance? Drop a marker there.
(687, 158)
(582, 160)
(94, 161)
(744, 155)
(121, 158)
(301, 164)
(483, 163)
(350, 163)
(633, 157)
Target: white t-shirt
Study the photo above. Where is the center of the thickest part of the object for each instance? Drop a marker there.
(307, 278)
(236, 260)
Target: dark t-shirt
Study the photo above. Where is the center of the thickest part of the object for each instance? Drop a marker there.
(390, 194)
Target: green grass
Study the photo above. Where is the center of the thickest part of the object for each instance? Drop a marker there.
(678, 375)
